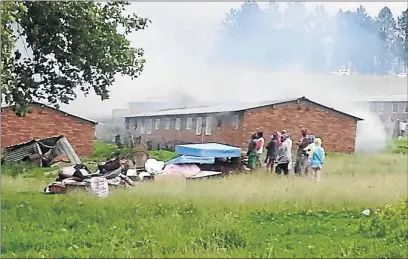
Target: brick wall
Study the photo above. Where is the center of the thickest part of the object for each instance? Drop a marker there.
(226, 134)
(337, 131)
(46, 122)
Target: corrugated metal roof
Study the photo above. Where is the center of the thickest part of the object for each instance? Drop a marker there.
(63, 147)
(229, 108)
(18, 154)
(208, 109)
(60, 146)
(389, 98)
(50, 107)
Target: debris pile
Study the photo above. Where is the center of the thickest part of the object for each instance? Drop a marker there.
(196, 161)
(46, 152)
(111, 173)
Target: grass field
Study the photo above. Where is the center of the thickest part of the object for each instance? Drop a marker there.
(254, 215)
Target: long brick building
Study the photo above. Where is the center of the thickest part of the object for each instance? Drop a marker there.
(233, 125)
(45, 121)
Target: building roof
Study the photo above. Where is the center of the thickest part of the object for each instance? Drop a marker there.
(60, 111)
(231, 108)
(389, 98)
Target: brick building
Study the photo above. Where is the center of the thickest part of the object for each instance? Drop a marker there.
(45, 121)
(233, 125)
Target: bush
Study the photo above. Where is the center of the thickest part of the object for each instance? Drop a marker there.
(399, 145)
(391, 221)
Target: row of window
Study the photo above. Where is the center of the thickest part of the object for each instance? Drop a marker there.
(146, 126)
(395, 107)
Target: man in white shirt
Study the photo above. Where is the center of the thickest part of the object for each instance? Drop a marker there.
(259, 148)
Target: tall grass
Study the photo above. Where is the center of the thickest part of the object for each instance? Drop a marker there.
(253, 215)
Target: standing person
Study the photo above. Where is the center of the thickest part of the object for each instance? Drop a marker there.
(252, 152)
(259, 148)
(290, 144)
(301, 158)
(309, 152)
(317, 160)
(283, 156)
(271, 151)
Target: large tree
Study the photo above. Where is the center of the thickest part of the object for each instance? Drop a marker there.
(402, 50)
(68, 46)
(387, 28)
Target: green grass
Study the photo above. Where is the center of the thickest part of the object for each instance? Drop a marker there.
(103, 150)
(254, 215)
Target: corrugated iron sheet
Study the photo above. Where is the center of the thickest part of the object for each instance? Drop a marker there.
(60, 146)
(63, 147)
(24, 150)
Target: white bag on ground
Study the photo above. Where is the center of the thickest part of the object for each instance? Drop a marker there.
(99, 187)
(153, 166)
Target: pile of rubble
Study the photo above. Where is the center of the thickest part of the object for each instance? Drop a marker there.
(111, 173)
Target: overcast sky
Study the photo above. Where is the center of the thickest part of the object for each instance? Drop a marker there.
(177, 45)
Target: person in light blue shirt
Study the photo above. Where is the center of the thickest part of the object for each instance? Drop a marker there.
(316, 163)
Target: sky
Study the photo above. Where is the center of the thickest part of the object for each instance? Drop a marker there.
(177, 45)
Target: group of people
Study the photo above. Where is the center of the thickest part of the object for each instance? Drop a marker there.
(310, 154)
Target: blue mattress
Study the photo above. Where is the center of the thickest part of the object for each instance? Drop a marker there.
(191, 160)
(208, 150)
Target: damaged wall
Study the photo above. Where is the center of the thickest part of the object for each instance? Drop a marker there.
(43, 122)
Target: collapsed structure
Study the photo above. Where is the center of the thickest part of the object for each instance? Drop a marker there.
(42, 152)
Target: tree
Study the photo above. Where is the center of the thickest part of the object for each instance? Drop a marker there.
(402, 28)
(74, 45)
(242, 28)
(387, 26)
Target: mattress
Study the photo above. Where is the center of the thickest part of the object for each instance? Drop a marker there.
(208, 150)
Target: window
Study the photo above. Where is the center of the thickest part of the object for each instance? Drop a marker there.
(235, 121)
(189, 124)
(219, 123)
(139, 125)
(199, 125)
(126, 124)
(167, 126)
(406, 108)
(380, 107)
(136, 126)
(142, 127)
(395, 107)
(149, 126)
(178, 124)
(157, 124)
(208, 125)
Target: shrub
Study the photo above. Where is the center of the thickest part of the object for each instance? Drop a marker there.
(399, 145)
